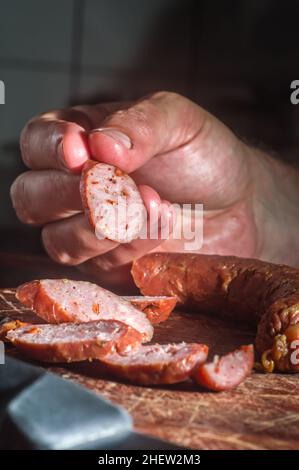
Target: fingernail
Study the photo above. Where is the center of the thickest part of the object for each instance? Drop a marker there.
(116, 135)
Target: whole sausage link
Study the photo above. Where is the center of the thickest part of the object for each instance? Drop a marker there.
(249, 290)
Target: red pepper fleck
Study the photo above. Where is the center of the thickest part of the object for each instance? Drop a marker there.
(33, 330)
(96, 308)
(118, 172)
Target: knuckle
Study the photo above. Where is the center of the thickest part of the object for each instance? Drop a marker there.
(20, 199)
(25, 138)
(137, 113)
(30, 133)
(56, 254)
(102, 263)
(165, 96)
(143, 115)
(24, 143)
(84, 115)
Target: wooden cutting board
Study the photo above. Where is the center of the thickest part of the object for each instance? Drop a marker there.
(263, 413)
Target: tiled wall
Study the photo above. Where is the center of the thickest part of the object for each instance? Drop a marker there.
(35, 60)
(236, 58)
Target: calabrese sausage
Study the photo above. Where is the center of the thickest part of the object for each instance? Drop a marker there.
(64, 300)
(70, 342)
(262, 294)
(112, 202)
(157, 309)
(226, 372)
(157, 364)
(8, 324)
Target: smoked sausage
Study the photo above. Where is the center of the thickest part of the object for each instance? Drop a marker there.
(7, 325)
(262, 294)
(226, 372)
(157, 309)
(64, 300)
(112, 202)
(71, 342)
(157, 364)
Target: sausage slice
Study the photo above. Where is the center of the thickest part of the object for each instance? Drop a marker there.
(112, 202)
(9, 325)
(63, 300)
(157, 364)
(226, 372)
(156, 308)
(70, 342)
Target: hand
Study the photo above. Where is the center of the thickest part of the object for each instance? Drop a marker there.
(176, 151)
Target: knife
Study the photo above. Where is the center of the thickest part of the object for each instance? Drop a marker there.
(39, 410)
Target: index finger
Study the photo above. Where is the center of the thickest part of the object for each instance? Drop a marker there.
(57, 140)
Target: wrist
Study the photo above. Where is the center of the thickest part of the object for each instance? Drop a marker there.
(276, 208)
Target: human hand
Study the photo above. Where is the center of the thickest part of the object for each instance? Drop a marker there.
(174, 150)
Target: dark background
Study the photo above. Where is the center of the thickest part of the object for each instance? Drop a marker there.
(237, 58)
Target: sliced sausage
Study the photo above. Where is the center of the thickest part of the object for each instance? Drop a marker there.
(249, 290)
(157, 309)
(112, 202)
(226, 372)
(9, 325)
(157, 364)
(63, 300)
(70, 342)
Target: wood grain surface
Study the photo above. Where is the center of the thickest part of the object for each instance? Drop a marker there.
(263, 413)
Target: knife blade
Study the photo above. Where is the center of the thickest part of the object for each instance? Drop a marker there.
(39, 410)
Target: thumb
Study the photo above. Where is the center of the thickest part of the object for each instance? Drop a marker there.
(154, 125)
